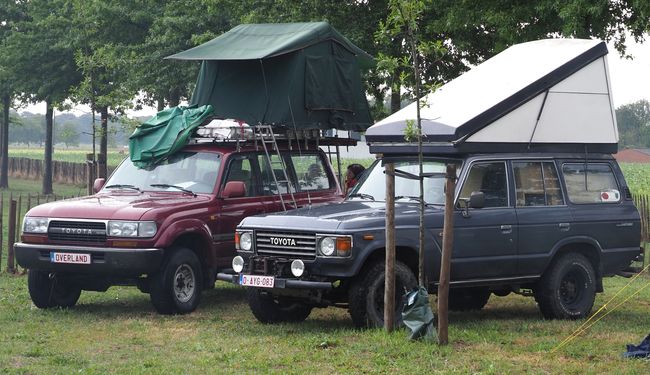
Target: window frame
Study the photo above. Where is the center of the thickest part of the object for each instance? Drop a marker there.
(560, 181)
(586, 164)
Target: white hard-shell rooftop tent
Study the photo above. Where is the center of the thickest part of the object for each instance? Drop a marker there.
(546, 95)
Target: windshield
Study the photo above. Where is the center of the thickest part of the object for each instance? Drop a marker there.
(195, 172)
(373, 185)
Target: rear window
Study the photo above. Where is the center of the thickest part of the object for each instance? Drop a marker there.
(591, 183)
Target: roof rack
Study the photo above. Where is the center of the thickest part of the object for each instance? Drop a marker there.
(233, 131)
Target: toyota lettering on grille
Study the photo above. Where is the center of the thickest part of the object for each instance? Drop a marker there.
(78, 231)
(282, 241)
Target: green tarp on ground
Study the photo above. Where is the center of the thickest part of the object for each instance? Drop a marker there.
(302, 75)
(165, 133)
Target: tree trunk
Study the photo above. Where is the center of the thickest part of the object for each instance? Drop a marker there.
(395, 95)
(160, 100)
(47, 168)
(102, 170)
(4, 157)
(174, 97)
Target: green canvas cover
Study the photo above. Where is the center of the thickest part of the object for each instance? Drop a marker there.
(302, 75)
(165, 133)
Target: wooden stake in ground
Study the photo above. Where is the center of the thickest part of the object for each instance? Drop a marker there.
(11, 237)
(389, 280)
(445, 262)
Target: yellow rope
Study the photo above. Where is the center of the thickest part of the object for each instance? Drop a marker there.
(588, 323)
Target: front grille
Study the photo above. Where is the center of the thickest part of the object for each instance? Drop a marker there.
(287, 244)
(77, 231)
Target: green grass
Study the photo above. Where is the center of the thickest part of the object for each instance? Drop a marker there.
(638, 177)
(119, 332)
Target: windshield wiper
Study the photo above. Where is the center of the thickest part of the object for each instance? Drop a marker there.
(122, 186)
(188, 191)
(410, 197)
(362, 195)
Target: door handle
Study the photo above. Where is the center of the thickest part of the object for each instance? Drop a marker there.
(624, 225)
(564, 226)
(506, 229)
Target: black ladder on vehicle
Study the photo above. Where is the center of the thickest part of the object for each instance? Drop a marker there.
(265, 134)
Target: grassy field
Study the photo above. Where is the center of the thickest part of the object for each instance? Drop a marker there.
(119, 332)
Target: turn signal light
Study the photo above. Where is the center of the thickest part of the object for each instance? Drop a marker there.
(343, 246)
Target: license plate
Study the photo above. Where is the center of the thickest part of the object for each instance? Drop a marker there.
(257, 281)
(70, 258)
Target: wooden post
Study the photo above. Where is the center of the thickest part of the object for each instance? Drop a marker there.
(11, 236)
(389, 279)
(445, 262)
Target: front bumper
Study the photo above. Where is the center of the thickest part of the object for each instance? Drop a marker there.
(109, 261)
(281, 283)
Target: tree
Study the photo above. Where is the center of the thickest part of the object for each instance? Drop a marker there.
(634, 124)
(103, 37)
(11, 13)
(68, 134)
(44, 63)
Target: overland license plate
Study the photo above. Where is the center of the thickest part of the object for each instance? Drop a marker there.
(69, 258)
(257, 281)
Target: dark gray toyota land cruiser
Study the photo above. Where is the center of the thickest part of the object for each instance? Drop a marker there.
(550, 227)
(541, 207)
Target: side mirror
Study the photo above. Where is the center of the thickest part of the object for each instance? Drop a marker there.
(234, 189)
(98, 184)
(477, 199)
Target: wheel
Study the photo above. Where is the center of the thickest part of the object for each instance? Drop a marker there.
(468, 299)
(49, 290)
(567, 289)
(268, 309)
(176, 287)
(366, 295)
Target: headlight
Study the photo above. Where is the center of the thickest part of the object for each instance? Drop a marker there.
(335, 246)
(297, 267)
(246, 241)
(237, 264)
(35, 225)
(132, 229)
(327, 246)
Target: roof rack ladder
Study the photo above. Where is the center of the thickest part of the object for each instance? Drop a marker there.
(267, 137)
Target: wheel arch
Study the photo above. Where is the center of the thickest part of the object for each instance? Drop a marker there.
(404, 254)
(587, 247)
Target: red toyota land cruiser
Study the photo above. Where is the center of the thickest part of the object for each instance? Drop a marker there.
(167, 229)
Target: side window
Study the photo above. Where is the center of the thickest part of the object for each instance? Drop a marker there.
(537, 184)
(240, 169)
(311, 174)
(491, 179)
(267, 169)
(590, 183)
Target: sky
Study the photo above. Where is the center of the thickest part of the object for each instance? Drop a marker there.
(630, 79)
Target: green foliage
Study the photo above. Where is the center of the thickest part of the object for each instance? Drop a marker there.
(637, 176)
(634, 124)
(67, 133)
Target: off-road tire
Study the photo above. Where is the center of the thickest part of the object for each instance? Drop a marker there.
(176, 287)
(366, 294)
(468, 299)
(269, 309)
(567, 289)
(47, 292)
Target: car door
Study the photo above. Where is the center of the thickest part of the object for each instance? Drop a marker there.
(239, 167)
(485, 238)
(543, 217)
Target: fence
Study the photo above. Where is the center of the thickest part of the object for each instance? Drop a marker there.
(16, 207)
(63, 172)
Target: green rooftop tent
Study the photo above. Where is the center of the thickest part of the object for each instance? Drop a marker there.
(302, 75)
